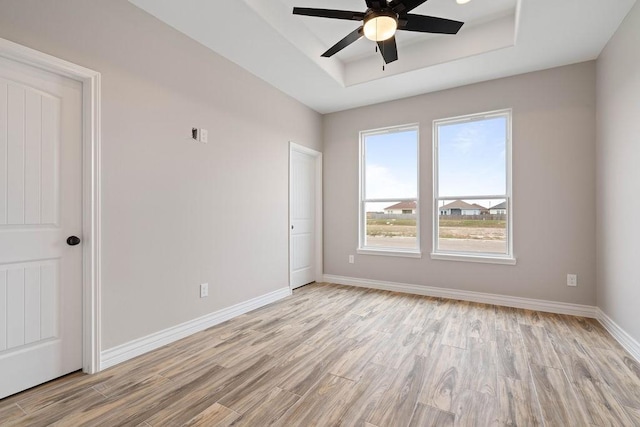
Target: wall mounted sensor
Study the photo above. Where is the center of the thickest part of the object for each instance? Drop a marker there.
(194, 133)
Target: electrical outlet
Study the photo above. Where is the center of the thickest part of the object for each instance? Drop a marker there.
(204, 290)
(572, 280)
(351, 259)
(204, 136)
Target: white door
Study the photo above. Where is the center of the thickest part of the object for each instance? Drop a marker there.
(302, 218)
(40, 207)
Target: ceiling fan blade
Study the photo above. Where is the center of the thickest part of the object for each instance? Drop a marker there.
(329, 13)
(350, 38)
(429, 24)
(389, 50)
(405, 6)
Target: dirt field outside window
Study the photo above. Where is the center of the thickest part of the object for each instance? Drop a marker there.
(466, 235)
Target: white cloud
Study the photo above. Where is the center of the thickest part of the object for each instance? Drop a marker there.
(465, 138)
(383, 184)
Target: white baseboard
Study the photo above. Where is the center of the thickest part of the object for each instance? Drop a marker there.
(481, 297)
(139, 346)
(625, 340)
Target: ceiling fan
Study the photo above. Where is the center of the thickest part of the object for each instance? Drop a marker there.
(380, 22)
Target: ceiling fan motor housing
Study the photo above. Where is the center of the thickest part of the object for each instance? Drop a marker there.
(373, 13)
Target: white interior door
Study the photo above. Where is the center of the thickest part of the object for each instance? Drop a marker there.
(302, 218)
(40, 207)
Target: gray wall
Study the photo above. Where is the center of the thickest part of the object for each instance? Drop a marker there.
(618, 176)
(554, 171)
(175, 213)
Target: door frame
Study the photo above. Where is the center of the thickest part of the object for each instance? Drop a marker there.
(318, 204)
(91, 237)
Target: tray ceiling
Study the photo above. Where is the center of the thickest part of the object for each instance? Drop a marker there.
(500, 38)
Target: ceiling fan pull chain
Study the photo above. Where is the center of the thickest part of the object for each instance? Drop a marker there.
(383, 60)
(376, 37)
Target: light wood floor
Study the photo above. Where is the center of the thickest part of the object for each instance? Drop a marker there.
(333, 355)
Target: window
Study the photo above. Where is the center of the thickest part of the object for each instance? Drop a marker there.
(389, 203)
(472, 188)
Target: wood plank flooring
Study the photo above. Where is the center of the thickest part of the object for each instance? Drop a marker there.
(335, 355)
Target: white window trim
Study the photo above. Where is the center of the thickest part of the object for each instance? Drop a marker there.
(369, 250)
(406, 253)
(468, 257)
(509, 257)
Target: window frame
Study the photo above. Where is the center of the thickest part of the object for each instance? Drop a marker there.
(362, 200)
(483, 257)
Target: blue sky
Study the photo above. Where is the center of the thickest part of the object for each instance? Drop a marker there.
(392, 169)
(472, 161)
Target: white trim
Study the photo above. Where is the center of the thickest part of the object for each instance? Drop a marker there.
(506, 112)
(362, 200)
(139, 346)
(625, 340)
(453, 198)
(91, 187)
(486, 259)
(390, 252)
(481, 297)
(319, 248)
(303, 149)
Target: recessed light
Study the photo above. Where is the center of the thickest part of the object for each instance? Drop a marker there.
(462, 1)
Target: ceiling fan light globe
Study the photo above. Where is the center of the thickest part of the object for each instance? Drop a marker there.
(380, 28)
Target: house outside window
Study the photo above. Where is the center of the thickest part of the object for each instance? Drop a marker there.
(472, 188)
(389, 205)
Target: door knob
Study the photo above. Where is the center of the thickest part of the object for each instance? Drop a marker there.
(73, 240)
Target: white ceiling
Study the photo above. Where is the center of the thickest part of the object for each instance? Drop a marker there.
(500, 38)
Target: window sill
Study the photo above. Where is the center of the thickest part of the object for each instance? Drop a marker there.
(390, 252)
(486, 259)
